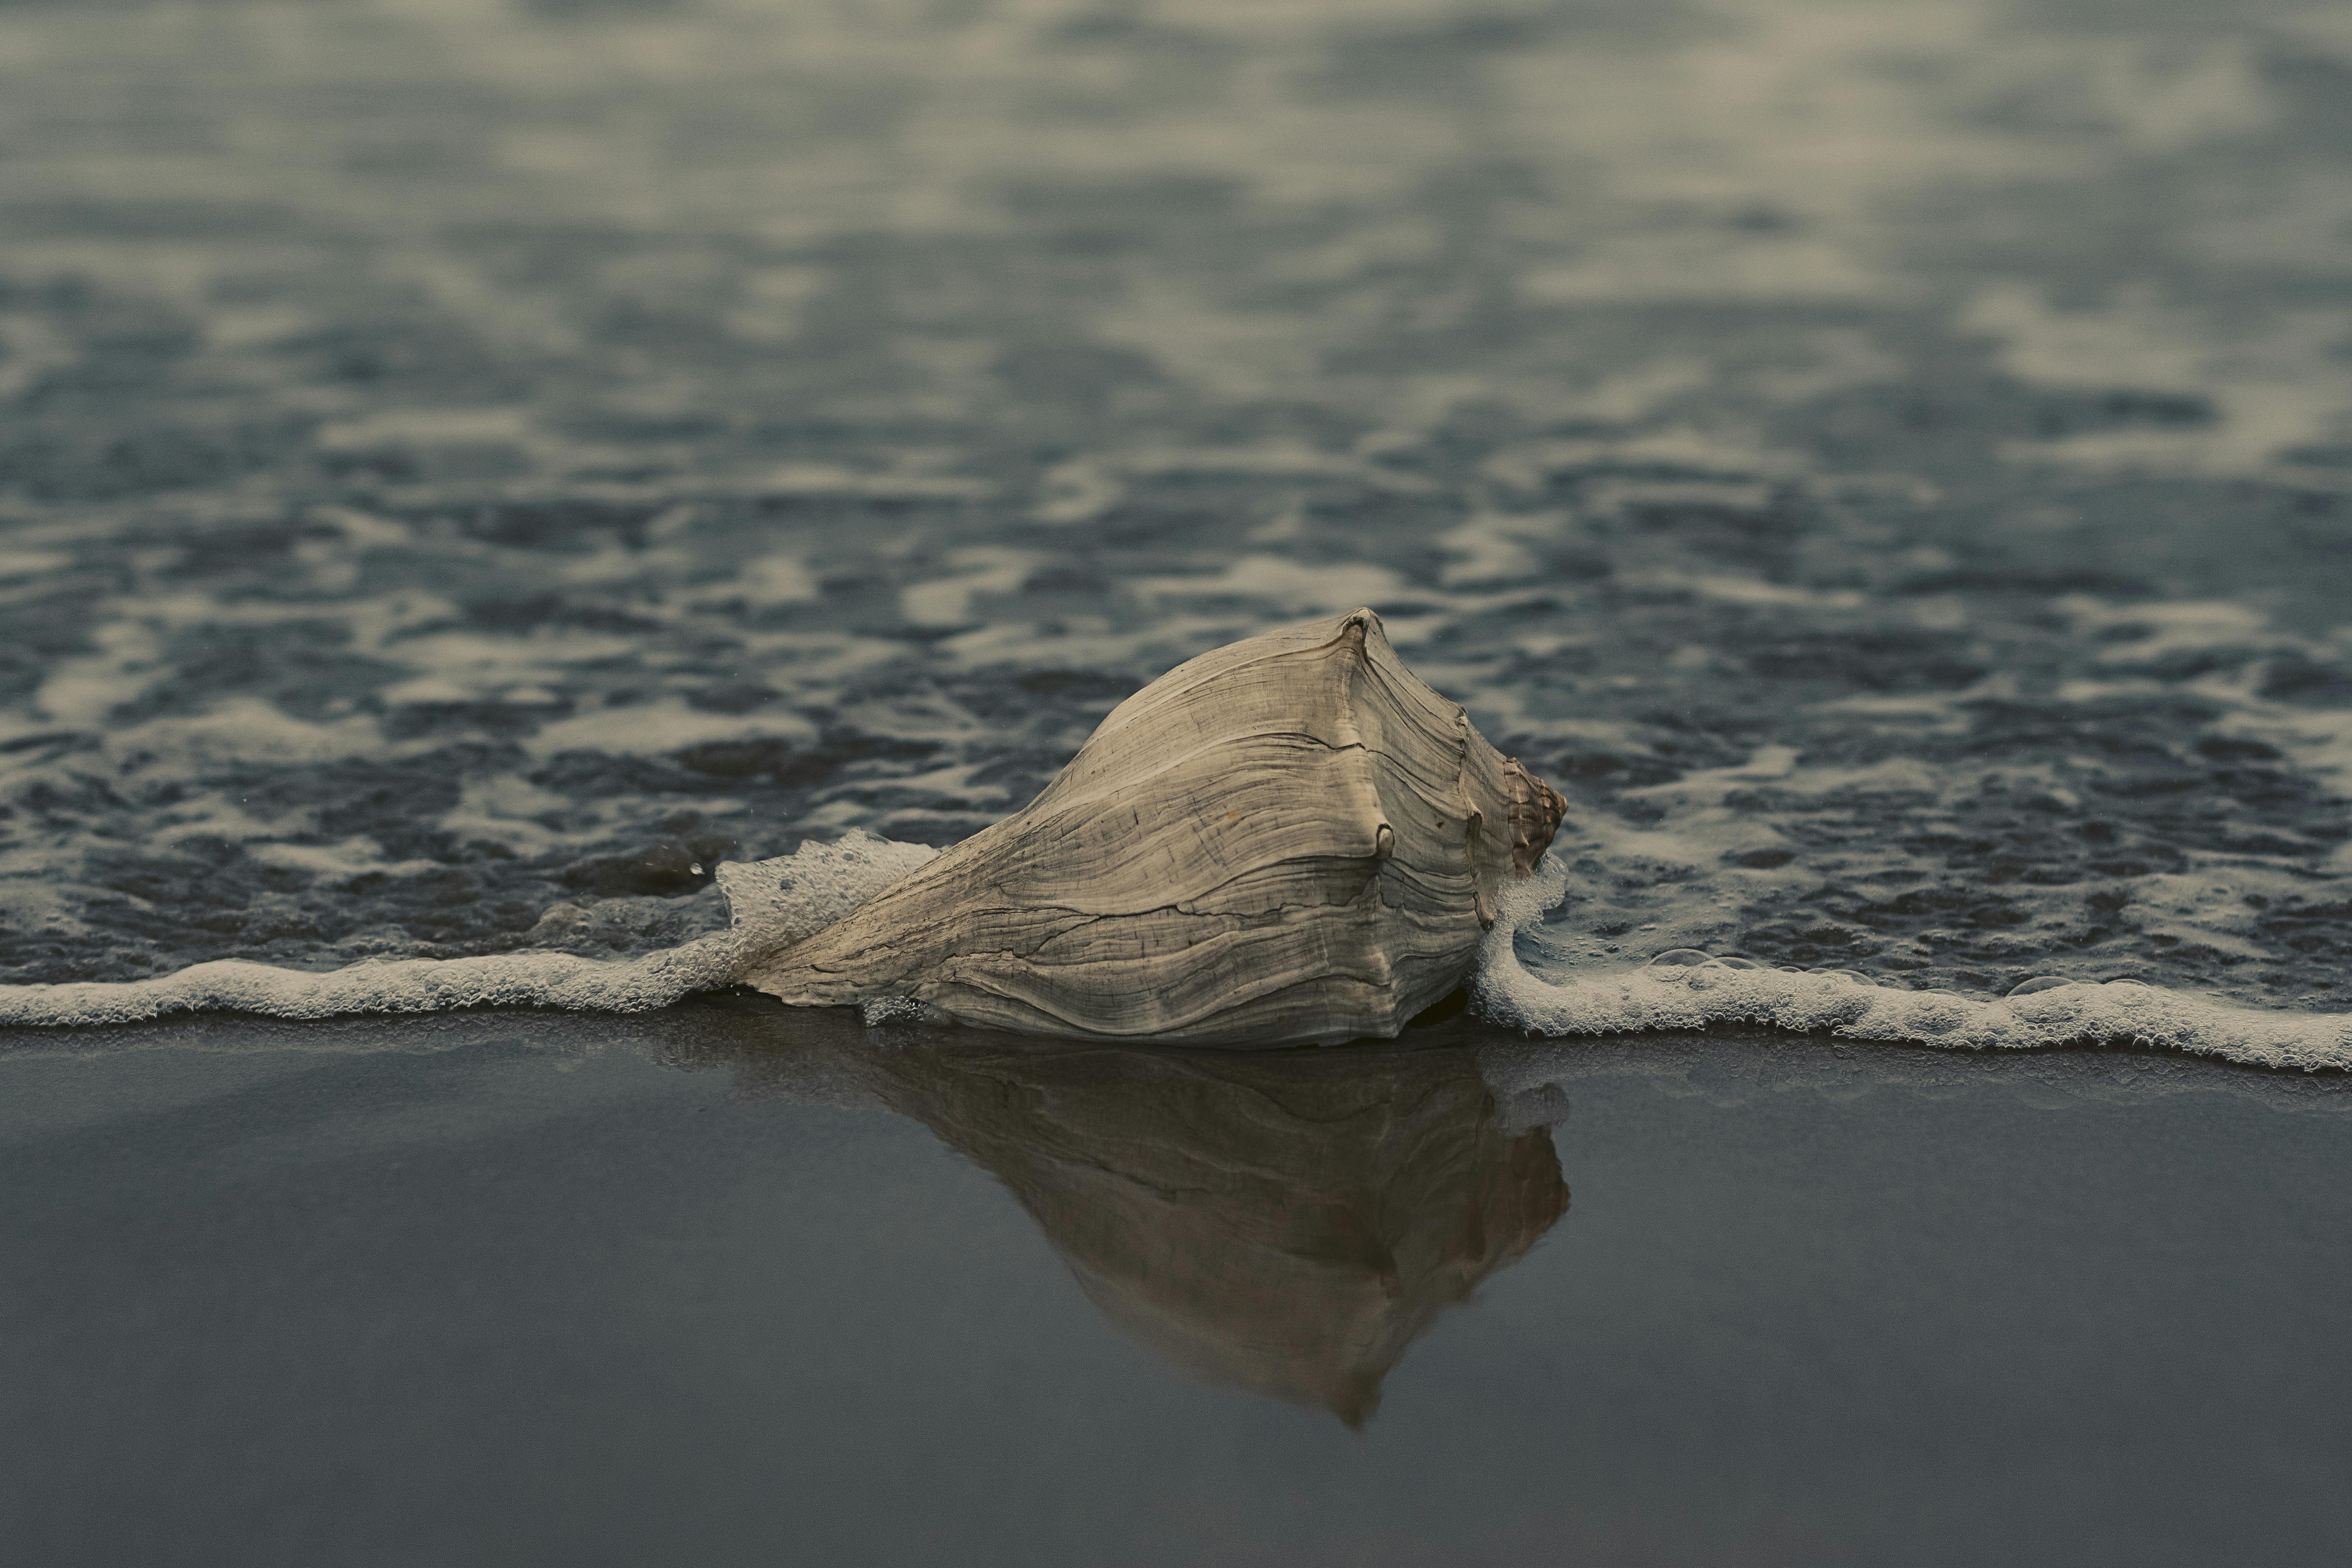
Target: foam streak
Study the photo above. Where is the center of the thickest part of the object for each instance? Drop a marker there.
(771, 904)
(1692, 998)
(774, 903)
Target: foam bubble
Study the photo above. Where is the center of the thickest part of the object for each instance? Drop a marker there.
(2039, 983)
(772, 904)
(1685, 990)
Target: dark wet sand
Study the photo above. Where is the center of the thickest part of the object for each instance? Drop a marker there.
(521, 1289)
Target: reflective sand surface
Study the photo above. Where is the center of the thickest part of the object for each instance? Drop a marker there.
(518, 1289)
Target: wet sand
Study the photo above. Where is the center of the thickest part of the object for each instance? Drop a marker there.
(730, 1284)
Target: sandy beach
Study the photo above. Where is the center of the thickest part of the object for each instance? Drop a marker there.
(512, 1287)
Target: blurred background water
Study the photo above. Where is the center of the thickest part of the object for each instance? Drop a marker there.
(466, 466)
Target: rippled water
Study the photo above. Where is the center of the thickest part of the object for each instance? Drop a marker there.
(466, 469)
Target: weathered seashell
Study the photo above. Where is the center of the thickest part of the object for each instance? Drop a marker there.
(1291, 839)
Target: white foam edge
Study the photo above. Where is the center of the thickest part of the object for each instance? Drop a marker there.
(770, 905)
(1648, 1000)
(773, 903)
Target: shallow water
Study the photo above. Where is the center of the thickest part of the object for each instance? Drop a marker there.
(547, 1289)
(466, 467)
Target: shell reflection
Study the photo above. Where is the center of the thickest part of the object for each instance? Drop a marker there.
(1284, 1222)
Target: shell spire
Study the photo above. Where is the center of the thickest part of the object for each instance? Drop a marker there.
(1291, 839)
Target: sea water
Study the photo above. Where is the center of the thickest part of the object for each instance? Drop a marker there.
(778, 902)
(471, 472)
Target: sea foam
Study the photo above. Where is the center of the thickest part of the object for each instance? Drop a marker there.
(1670, 994)
(771, 903)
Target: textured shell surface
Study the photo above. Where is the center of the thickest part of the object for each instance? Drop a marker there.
(1291, 839)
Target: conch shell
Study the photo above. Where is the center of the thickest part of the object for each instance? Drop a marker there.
(1288, 840)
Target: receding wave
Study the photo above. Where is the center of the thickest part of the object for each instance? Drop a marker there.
(1691, 990)
(773, 903)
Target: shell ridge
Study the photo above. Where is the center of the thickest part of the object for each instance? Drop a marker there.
(1187, 908)
(1409, 690)
(1194, 673)
(1265, 989)
(1355, 637)
(1041, 913)
(1171, 760)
